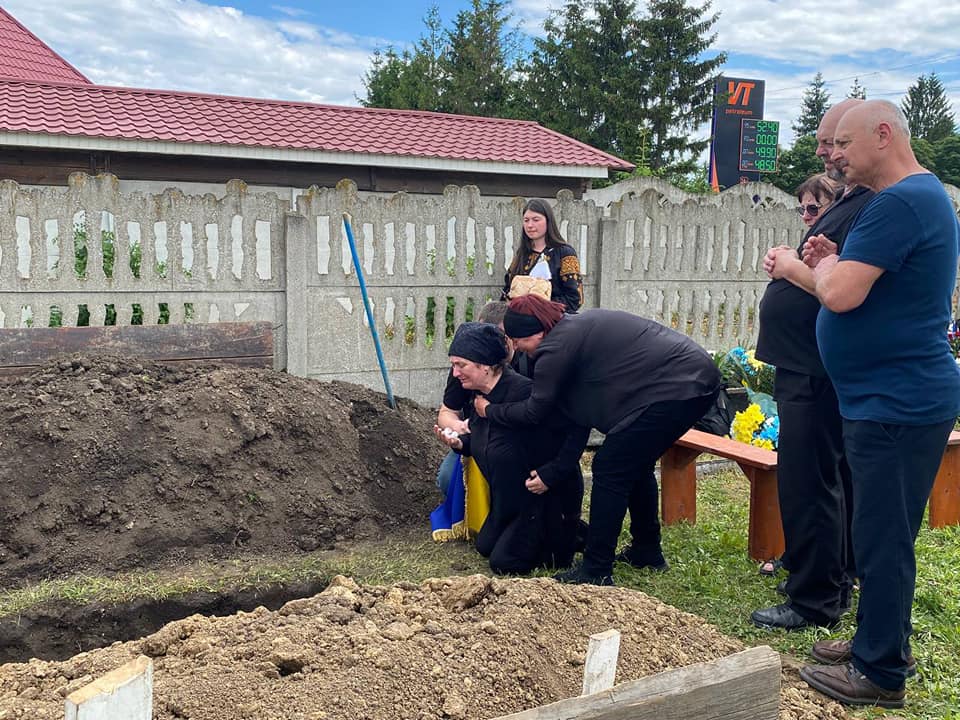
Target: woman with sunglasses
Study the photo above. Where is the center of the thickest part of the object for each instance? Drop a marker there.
(815, 194)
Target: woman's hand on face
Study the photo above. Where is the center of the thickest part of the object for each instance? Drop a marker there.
(535, 484)
(480, 405)
(448, 437)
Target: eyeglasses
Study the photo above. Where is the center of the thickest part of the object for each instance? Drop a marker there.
(811, 210)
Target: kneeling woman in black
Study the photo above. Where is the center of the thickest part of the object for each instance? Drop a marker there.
(536, 487)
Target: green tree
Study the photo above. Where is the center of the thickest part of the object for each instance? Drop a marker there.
(923, 151)
(563, 75)
(635, 86)
(584, 77)
(469, 68)
(409, 80)
(857, 90)
(797, 164)
(946, 152)
(928, 109)
(680, 79)
(478, 68)
(816, 100)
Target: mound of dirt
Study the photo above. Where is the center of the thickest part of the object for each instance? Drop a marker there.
(451, 648)
(108, 463)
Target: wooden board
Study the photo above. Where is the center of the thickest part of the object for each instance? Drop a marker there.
(725, 447)
(248, 344)
(745, 686)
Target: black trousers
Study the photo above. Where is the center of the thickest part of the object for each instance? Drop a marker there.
(813, 483)
(623, 478)
(894, 467)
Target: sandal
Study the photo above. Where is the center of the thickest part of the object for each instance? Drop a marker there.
(770, 567)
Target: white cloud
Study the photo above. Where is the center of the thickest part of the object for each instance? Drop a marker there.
(187, 45)
(192, 46)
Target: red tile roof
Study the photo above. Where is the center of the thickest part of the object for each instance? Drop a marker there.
(23, 56)
(93, 111)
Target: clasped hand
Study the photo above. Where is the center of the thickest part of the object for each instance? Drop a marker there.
(816, 249)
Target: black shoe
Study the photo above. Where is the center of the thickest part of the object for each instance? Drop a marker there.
(783, 617)
(782, 587)
(657, 564)
(576, 576)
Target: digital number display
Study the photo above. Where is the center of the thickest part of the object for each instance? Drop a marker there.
(759, 150)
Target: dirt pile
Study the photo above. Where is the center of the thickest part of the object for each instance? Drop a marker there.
(451, 648)
(108, 463)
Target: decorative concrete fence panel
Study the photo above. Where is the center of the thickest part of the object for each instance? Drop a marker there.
(89, 254)
(429, 263)
(695, 264)
(89, 250)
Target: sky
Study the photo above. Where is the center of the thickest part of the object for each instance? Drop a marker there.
(318, 51)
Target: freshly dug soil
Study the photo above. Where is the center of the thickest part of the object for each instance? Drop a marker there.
(451, 648)
(109, 463)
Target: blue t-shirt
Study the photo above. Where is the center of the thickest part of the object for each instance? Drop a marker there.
(889, 358)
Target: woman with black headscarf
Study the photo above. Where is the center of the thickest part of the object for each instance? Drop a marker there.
(536, 487)
(640, 383)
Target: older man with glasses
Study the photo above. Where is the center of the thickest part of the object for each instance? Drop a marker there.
(812, 473)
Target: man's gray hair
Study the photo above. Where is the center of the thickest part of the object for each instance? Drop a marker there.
(892, 113)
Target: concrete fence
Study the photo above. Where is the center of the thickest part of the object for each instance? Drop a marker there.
(430, 262)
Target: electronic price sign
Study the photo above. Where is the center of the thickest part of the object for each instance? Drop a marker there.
(758, 145)
(734, 100)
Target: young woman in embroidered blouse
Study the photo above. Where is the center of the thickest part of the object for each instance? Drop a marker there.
(544, 253)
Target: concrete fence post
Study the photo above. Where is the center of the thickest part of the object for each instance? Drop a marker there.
(295, 230)
(607, 272)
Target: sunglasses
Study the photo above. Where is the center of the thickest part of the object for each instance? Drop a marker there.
(811, 210)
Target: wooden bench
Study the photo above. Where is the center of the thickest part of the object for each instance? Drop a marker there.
(678, 487)
(678, 492)
(945, 498)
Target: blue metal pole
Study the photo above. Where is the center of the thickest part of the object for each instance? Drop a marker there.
(366, 305)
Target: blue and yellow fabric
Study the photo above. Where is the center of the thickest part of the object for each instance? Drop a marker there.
(463, 512)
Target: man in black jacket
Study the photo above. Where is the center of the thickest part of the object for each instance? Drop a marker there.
(643, 385)
(813, 478)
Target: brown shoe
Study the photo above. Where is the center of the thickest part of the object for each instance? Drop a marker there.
(835, 652)
(845, 684)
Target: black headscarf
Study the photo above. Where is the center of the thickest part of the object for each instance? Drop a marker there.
(478, 342)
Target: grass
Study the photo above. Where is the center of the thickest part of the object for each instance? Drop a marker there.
(710, 576)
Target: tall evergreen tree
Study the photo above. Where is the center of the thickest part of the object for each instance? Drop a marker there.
(680, 80)
(857, 90)
(928, 109)
(480, 63)
(583, 77)
(469, 68)
(816, 100)
(636, 86)
(410, 80)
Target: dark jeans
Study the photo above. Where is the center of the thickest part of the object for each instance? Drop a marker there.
(623, 477)
(813, 483)
(894, 467)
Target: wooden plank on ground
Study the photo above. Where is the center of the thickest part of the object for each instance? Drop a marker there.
(248, 344)
(600, 669)
(745, 686)
(122, 694)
